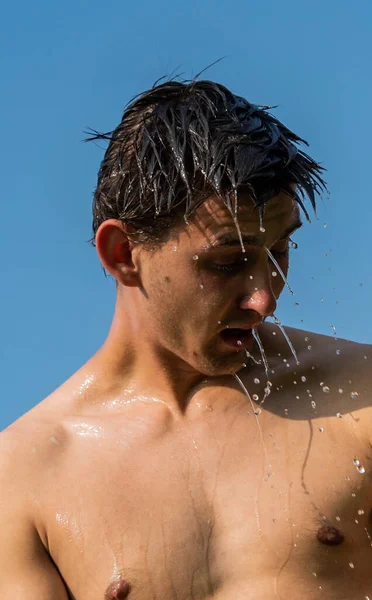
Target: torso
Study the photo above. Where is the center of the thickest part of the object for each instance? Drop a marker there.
(223, 503)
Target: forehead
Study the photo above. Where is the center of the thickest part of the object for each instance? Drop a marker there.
(212, 216)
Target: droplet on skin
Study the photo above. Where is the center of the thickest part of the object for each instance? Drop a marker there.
(356, 462)
(313, 404)
(351, 565)
(274, 273)
(303, 378)
(255, 397)
(321, 429)
(360, 511)
(255, 380)
(340, 391)
(262, 229)
(339, 415)
(325, 389)
(361, 470)
(195, 257)
(201, 286)
(354, 395)
(338, 352)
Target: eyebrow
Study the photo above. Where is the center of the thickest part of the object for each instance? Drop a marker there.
(231, 239)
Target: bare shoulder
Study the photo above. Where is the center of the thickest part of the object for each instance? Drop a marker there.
(333, 376)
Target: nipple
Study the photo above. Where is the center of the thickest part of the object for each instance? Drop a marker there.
(330, 535)
(118, 590)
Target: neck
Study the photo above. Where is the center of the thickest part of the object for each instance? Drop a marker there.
(129, 358)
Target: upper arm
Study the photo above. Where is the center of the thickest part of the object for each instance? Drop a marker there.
(26, 570)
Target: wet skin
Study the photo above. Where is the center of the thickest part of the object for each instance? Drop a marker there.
(138, 492)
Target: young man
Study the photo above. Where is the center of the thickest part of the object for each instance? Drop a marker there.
(195, 455)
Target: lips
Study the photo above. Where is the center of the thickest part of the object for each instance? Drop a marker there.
(237, 338)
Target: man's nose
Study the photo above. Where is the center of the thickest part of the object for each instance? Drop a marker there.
(258, 294)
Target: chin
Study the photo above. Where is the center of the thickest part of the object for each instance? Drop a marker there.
(218, 366)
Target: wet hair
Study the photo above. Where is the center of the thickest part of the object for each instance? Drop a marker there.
(182, 142)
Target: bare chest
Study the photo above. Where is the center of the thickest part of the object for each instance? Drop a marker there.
(251, 506)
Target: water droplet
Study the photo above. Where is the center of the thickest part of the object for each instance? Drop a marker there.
(295, 383)
(297, 304)
(321, 429)
(356, 462)
(325, 389)
(360, 511)
(286, 411)
(313, 404)
(306, 339)
(338, 518)
(303, 378)
(339, 415)
(297, 397)
(274, 273)
(338, 352)
(255, 380)
(269, 384)
(257, 411)
(315, 575)
(274, 332)
(174, 248)
(351, 565)
(361, 470)
(255, 398)
(219, 322)
(239, 342)
(195, 257)
(324, 224)
(340, 391)
(201, 286)
(294, 245)
(262, 229)
(354, 395)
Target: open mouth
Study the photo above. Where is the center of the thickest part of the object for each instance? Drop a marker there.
(237, 338)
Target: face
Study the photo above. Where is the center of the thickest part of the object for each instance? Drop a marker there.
(207, 287)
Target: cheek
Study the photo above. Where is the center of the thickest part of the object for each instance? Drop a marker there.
(277, 283)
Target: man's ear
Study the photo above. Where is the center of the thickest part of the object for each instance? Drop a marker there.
(115, 249)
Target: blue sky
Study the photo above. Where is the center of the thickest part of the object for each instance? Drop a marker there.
(73, 65)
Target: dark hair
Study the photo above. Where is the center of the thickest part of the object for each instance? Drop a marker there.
(180, 142)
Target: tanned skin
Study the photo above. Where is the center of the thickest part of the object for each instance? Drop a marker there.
(150, 474)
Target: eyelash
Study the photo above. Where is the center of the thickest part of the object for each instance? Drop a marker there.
(241, 263)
